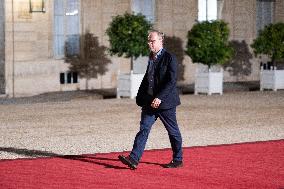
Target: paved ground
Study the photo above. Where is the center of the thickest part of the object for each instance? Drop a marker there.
(86, 124)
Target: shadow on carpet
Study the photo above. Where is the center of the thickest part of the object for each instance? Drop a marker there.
(247, 165)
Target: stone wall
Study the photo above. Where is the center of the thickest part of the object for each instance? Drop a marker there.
(31, 69)
(96, 16)
(175, 18)
(27, 50)
(279, 11)
(2, 48)
(241, 16)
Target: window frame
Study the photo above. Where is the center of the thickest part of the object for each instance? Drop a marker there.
(204, 4)
(57, 44)
(262, 21)
(133, 7)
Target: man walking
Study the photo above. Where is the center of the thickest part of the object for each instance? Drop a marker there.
(158, 97)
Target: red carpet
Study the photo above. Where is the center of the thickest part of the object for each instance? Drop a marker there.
(249, 165)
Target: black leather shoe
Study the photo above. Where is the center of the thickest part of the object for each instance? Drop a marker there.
(174, 164)
(128, 161)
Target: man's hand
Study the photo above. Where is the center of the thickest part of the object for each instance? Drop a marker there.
(156, 103)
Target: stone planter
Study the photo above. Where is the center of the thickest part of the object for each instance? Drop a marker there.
(128, 84)
(271, 79)
(208, 82)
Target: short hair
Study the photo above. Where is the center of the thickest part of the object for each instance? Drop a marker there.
(160, 34)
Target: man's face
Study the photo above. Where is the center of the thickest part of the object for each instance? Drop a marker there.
(155, 42)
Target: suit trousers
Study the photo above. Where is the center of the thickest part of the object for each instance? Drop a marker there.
(148, 118)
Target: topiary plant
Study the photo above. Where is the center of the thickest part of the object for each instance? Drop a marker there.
(208, 43)
(128, 36)
(270, 41)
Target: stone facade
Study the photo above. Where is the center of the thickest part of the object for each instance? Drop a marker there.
(241, 16)
(279, 11)
(2, 48)
(30, 67)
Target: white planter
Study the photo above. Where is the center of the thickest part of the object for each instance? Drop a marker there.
(271, 79)
(128, 84)
(209, 82)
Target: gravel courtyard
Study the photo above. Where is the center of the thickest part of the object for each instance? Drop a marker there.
(90, 125)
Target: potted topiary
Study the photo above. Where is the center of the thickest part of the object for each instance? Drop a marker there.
(270, 42)
(208, 44)
(128, 37)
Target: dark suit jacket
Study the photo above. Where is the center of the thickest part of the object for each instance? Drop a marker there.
(165, 83)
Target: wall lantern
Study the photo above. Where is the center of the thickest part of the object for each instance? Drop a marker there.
(37, 6)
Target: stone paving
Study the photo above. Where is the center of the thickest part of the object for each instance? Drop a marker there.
(88, 124)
